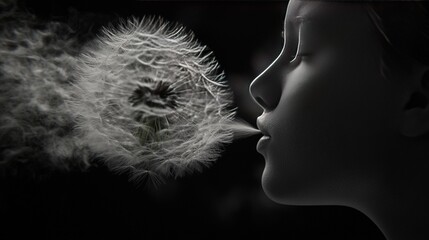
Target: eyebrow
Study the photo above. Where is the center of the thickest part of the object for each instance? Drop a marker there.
(308, 12)
(300, 19)
(307, 17)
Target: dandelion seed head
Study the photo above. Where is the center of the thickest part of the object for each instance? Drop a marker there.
(152, 100)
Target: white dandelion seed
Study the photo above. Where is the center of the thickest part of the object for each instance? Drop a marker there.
(36, 69)
(151, 101)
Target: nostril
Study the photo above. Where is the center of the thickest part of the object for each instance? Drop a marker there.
(261, 102)
(425, 82)
(417, 100)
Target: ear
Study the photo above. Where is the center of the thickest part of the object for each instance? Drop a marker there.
(416, 110)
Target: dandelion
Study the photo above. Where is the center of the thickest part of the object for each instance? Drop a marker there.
(144, 98)
(151, 100)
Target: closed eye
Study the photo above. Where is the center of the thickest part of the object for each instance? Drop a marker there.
(304, 40)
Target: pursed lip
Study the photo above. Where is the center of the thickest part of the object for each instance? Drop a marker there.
(261, 126)
(262, 145)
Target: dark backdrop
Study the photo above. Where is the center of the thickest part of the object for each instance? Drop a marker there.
(224, 201)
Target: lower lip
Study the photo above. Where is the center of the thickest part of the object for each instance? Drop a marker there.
(262, 144)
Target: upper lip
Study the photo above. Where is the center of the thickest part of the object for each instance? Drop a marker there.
(261, 126)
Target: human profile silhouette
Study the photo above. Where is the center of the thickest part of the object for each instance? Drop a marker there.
(346, 112)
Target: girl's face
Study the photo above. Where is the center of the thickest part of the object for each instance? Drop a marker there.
(327, 109)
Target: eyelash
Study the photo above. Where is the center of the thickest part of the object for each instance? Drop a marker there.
(298, 53)
(293, 56)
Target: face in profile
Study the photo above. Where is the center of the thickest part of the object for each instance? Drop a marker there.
(330, 115)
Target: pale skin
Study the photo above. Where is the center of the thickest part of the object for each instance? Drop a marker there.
(340, 133)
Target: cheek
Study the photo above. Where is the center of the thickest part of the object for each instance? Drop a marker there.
(322, 130)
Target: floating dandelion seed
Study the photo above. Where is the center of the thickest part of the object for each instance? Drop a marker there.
(36, 71)
(151, 101)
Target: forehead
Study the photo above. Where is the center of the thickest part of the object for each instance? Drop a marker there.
(338, 11)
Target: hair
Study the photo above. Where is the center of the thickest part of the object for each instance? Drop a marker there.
(404, 32)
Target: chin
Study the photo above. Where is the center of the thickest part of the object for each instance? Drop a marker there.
(287, 188)
(275, 189)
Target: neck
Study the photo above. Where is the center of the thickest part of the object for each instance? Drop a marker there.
(400, 222)
(401, 210)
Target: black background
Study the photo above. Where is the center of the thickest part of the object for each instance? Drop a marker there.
(224, 201)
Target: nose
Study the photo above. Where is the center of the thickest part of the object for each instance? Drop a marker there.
(266, 88)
